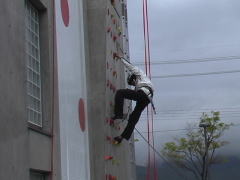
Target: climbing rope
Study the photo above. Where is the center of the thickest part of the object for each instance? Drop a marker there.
(148, 72)
(172, 167)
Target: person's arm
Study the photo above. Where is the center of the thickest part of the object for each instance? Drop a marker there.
(133, 69)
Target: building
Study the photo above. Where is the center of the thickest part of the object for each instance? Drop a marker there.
(58, 78)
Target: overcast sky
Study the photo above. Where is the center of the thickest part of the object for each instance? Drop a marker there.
(186, 30)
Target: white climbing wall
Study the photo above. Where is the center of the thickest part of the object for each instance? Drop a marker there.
(74, 144)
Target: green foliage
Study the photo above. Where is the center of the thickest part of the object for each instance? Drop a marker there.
(189, 152)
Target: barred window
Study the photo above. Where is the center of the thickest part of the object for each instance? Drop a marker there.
(34, 104)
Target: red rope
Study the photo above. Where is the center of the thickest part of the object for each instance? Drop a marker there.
(146, 69)
(145, 39)
(148, 72)
(148, 44)
(150, 76)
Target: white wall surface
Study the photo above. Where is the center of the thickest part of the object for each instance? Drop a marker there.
(72, 88)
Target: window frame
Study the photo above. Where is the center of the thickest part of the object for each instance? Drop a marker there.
(33, 65)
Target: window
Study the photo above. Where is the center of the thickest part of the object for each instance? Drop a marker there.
(37, 176)
(34, 104)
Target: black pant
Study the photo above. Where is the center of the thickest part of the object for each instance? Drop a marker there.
(141, 102)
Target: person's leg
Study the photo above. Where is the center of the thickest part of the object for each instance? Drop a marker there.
(142, 102)
(119, 100)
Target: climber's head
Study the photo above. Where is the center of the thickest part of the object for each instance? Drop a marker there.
(132, 79)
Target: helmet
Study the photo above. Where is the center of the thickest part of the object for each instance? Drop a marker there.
(131, 78)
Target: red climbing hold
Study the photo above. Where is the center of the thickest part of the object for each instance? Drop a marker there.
(108, 138)
(110, 177)
(111, 122)
(111, 86)
(114, 89)
(108, 29)
(108, 157)
(114, 178)
(114, 38)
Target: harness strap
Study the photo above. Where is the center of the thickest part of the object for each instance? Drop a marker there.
(150, 97)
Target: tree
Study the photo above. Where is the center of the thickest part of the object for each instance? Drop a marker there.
(197, 151)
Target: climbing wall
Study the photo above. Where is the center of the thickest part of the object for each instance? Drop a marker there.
(119, 159)
(107, 37)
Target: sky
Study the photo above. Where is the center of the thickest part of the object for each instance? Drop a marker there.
(186, 30)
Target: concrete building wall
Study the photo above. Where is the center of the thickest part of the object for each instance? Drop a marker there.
(24, 147)
(13, 129)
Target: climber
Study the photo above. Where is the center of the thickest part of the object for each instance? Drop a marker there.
(142, 94)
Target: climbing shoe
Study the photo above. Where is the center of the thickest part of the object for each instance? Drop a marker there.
(117, 140)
